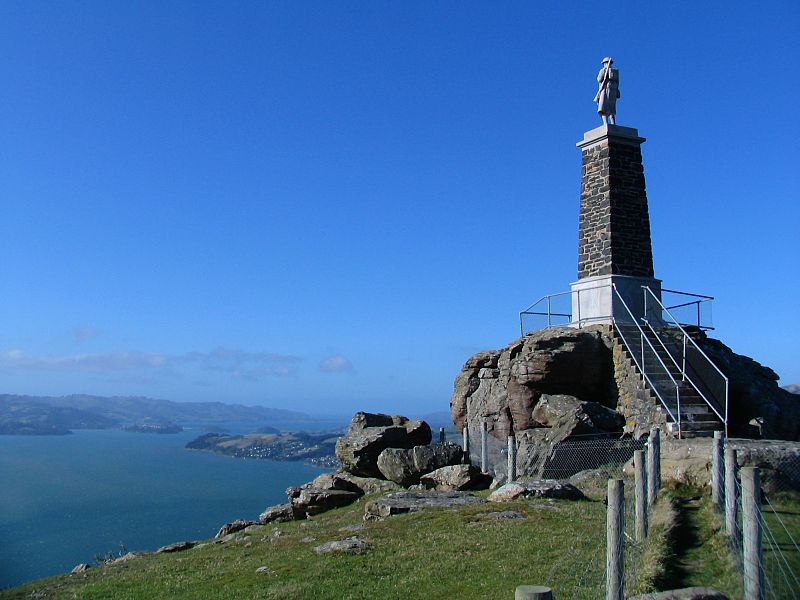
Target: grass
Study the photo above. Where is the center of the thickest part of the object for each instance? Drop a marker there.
(447, 554)
(433, 554)
(781, 553)
(657, 569)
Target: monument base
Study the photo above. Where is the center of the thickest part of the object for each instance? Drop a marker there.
(594, 300)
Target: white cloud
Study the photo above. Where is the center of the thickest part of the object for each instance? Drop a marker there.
(238, 364)
(81, 334)
(335, 364)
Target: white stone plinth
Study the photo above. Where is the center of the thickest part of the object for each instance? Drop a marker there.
(594, 300)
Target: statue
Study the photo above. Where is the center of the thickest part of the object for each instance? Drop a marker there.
(607, 92)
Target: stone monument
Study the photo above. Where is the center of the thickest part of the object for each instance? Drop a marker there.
(614, 249)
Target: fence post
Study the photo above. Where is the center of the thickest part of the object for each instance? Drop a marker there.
(731, 504)
(465, 445)
(441, 435)
(751, 525)
(614, 531)
(512, 459)
(653, 465)
(533, 592)
(640, 495)
(717, 491)
(484, 447)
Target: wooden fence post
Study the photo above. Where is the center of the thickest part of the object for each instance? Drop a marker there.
(653, 465)
(731, 497)
(751, 525)
(615, 528)
(512, 459)
(640, 495)
(533, 592)
(717, 491)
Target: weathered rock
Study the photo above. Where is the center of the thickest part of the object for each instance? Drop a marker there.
(370, 434)
(503, 386)
(370, 485)
(405, 502)
(455, 478)
(126, 558)
(406, 466)
(279, 513)
(580, 417)
(542, 488)
(351, 545)
(233, 527)
(81, 568)
(689, 461)
(313, 501)
(692, 593)
(263, 570)
(176, 547)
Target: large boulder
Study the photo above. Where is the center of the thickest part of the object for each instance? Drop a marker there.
(313, 501)
(233, 527)
(406, 466)
(456, 478)
(543, 488)
(370, 434)
(581, 418)
(405, 502)
(502, 387)
(342, 480)
(559, 418)
(279, 513)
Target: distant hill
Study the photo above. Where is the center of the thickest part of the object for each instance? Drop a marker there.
(794, 388)
(58, 415)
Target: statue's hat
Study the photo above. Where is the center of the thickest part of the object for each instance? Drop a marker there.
(607, 59)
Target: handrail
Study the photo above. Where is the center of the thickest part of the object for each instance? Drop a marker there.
(641, 366)
(549, 313)
(686, 337)
(701, 299)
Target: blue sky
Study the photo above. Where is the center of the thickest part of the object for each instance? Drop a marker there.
(329, 206)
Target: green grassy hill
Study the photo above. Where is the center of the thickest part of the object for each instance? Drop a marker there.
(433, 554)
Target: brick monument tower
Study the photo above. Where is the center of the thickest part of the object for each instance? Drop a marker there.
(615, 256)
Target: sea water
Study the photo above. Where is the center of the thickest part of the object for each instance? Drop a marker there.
(67, 499)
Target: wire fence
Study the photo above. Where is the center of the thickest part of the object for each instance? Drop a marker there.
(538, 457)
(774, 570)
(587, 460)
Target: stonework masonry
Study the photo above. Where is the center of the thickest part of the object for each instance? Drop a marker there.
(614, 237)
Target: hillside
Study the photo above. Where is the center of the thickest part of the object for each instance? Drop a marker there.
(48, 415)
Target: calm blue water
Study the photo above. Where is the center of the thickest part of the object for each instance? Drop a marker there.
(64, 499)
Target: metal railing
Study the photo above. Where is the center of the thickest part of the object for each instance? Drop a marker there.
(699, 304)
(550, 313)
(639, 358)
(693, 364)
(690, 362)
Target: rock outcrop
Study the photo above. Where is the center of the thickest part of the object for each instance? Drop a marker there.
(370, 434)
(405, 502)
(456, 478)
(543, 488)
(406, 466)
(551, 385)
(505, 386)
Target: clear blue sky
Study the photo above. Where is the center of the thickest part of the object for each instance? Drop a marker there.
(329, 206)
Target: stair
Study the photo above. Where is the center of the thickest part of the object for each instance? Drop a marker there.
(697, 417)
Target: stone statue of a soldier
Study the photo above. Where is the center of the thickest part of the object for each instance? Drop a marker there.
(607, 92)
